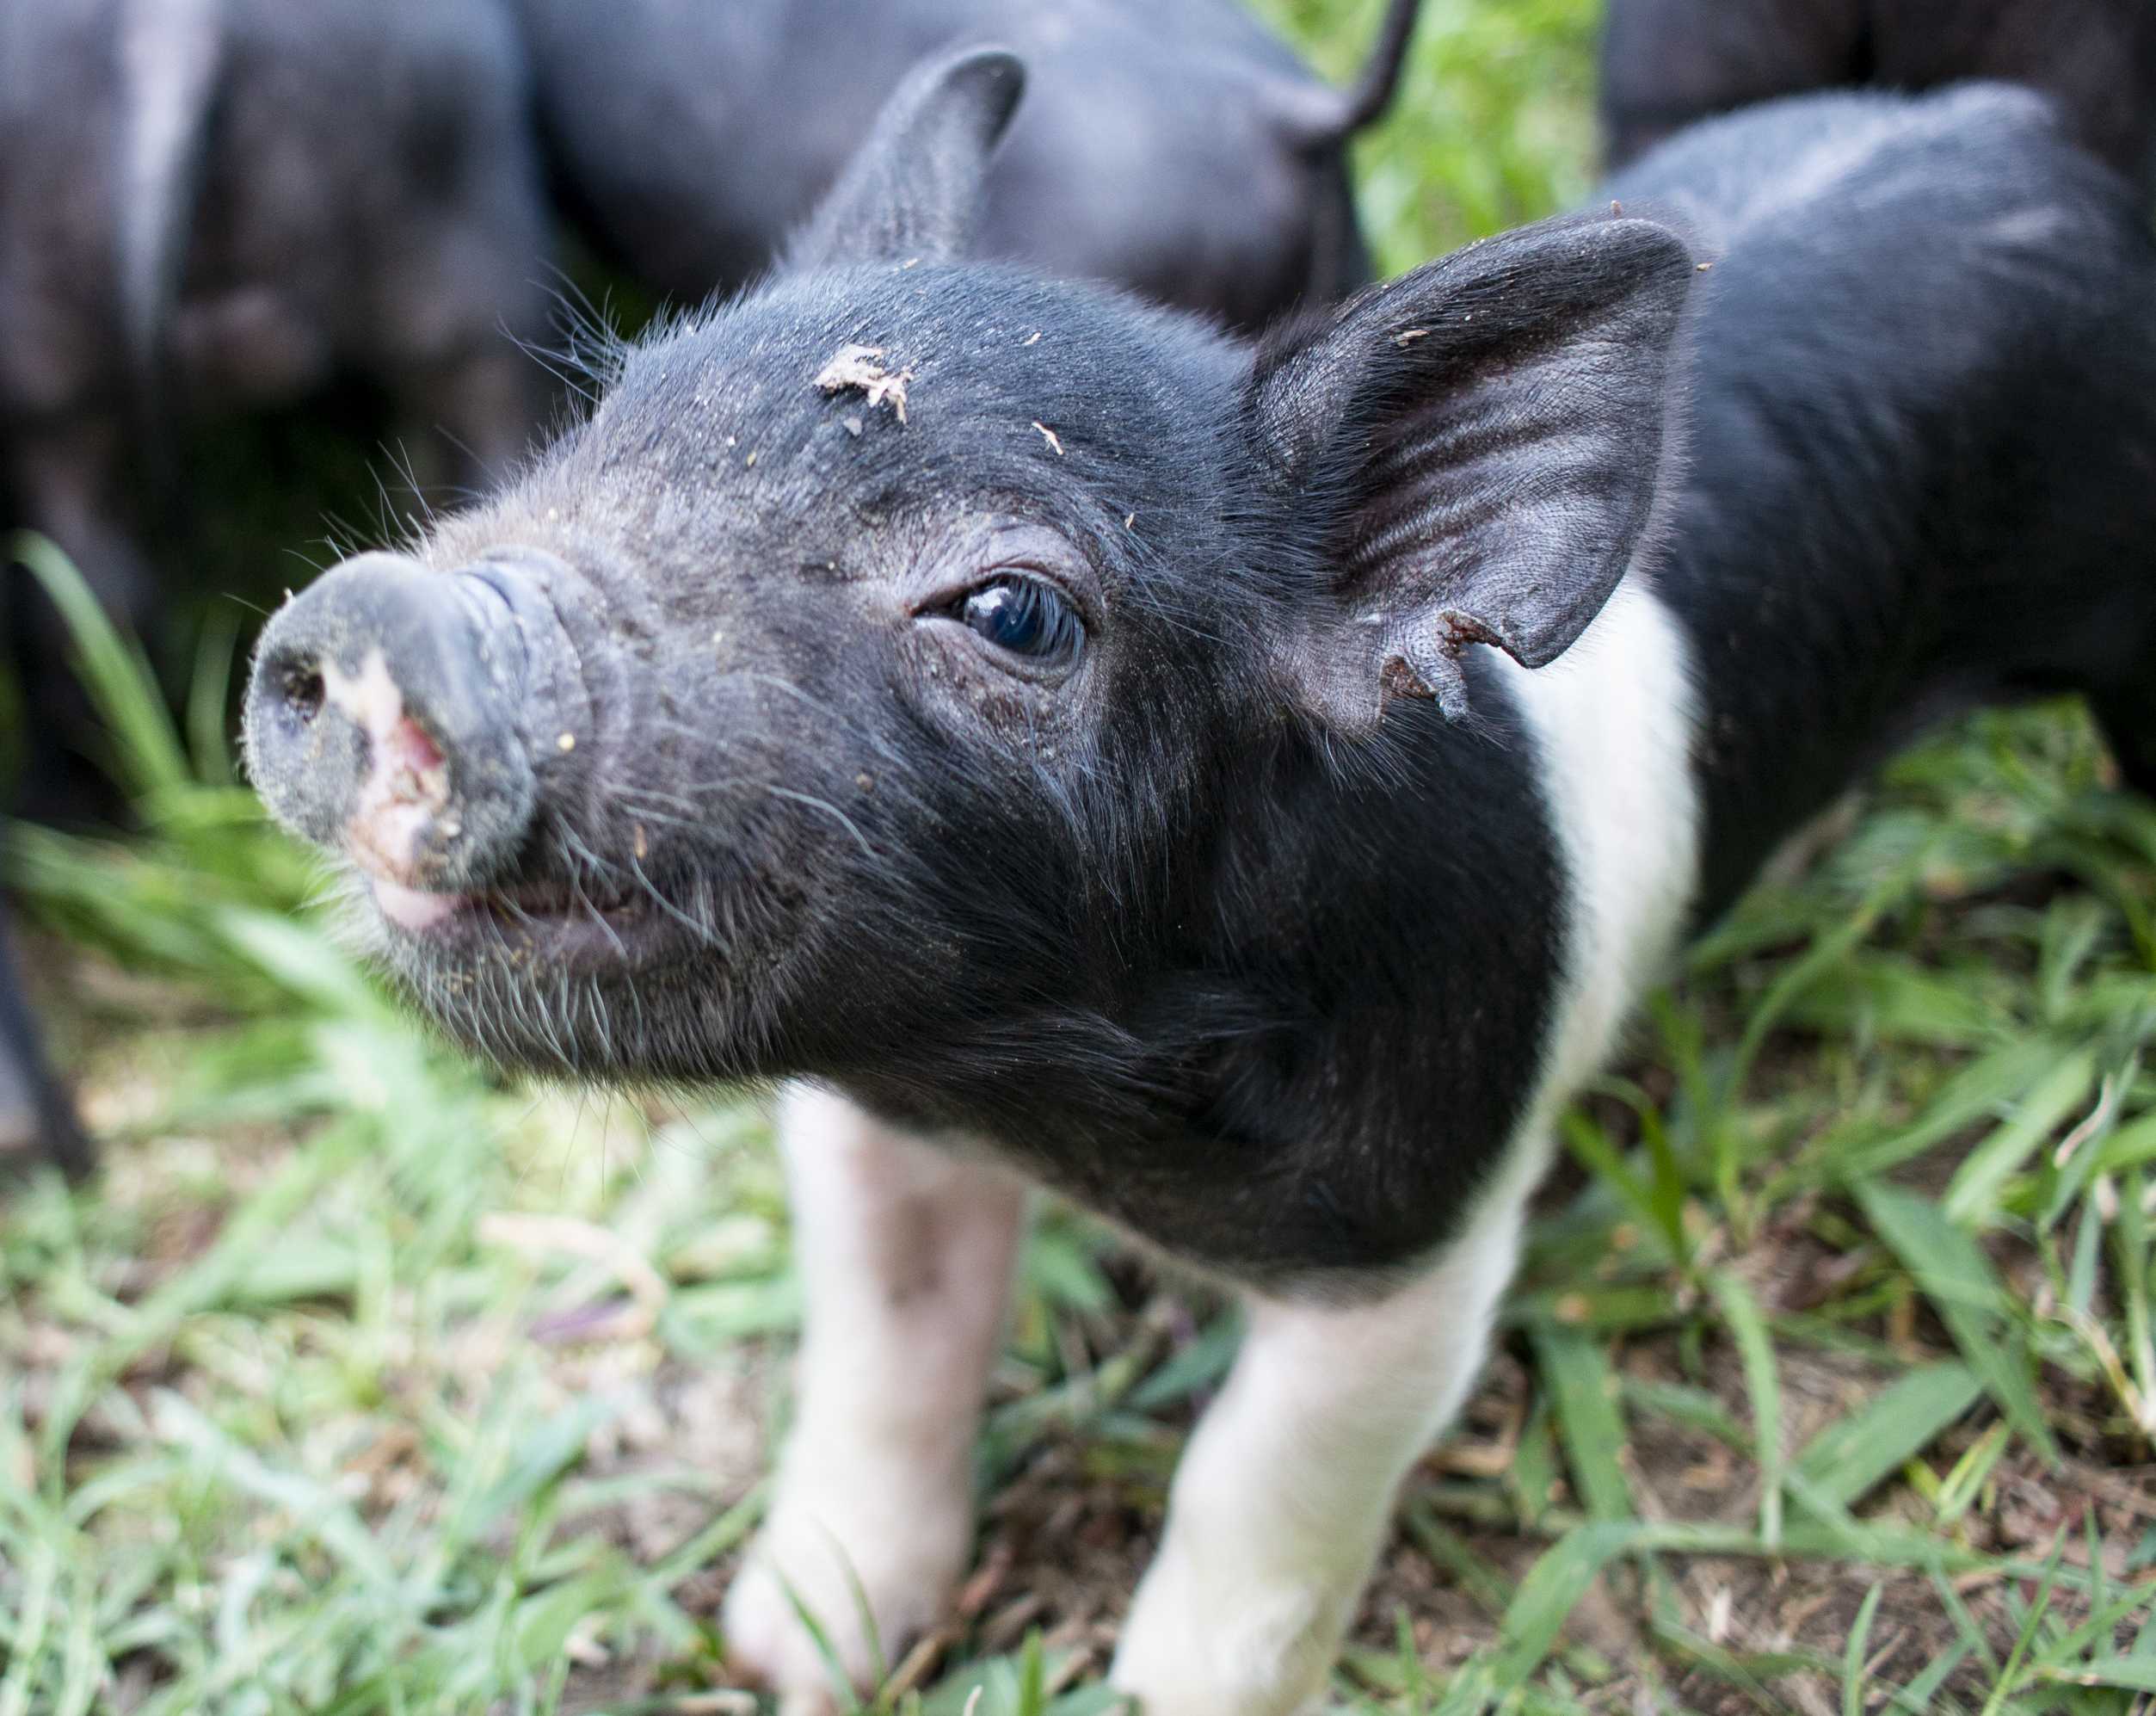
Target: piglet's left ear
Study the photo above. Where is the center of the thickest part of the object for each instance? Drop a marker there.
(1475, 453)
(913, 188)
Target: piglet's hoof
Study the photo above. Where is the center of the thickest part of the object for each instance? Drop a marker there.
(769, 1650)
(893, 1575)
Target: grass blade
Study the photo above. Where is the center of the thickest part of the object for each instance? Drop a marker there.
(1584, 1394)
(1853, 1656)
(314, 1508)
(1547, 1596)
(210, 696)
(2133, 1673)
(27, 1651)
(1965, 1291)
(1984, 1171)
(1764, 1383)
(1979, 1089)
(115, 672)
(1847, 1459)
(227, 1263)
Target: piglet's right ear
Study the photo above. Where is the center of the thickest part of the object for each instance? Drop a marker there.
(1475, 454)
(912, 189)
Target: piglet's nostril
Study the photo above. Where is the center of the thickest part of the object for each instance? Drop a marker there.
(302, 692)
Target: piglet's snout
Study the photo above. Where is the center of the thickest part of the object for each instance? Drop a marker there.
(393, 715)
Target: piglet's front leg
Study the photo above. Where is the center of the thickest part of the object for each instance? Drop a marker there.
(906, 1255)
(1285, 1493)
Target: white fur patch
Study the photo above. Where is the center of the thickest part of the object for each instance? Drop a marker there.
(1613, 718)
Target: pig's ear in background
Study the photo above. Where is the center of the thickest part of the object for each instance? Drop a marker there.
(1475, 452)
(913, 188)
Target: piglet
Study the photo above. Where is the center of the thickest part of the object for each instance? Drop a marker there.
(1244, 787)
(1174, 147)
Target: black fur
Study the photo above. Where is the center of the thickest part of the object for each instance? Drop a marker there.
(1923, 467)
(1667, 64)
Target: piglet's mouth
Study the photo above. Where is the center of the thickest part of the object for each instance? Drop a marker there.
(558, 924)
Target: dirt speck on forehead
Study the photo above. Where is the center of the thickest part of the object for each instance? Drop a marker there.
(863, 367)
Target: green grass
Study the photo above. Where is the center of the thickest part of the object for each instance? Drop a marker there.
(361, 1382)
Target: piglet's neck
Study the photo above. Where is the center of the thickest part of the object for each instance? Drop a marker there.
(1391, 975)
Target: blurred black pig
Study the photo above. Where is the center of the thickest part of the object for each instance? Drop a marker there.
(1665, 62)
(209, 205)
(213, 206)
(1173, 147)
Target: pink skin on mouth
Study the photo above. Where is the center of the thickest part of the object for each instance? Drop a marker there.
(413, 909)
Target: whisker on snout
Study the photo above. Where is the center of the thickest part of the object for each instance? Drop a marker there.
(828, 809)
(636, 797)
(701, 931)
(599, 917)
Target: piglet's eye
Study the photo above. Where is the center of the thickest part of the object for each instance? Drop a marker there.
(1025, 617)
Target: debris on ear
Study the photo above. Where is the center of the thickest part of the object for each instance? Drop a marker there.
(1475, 453)
(913, 188)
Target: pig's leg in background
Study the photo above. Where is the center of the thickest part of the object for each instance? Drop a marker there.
(905, 1255)
(35, 1117)
(1285, 1496)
